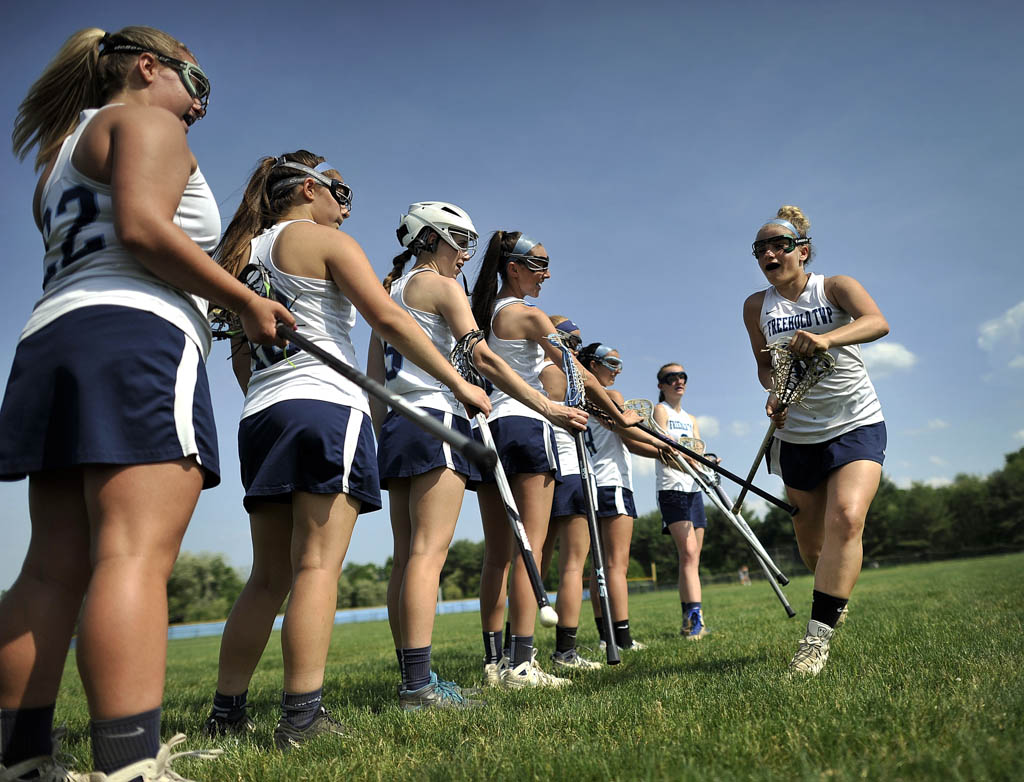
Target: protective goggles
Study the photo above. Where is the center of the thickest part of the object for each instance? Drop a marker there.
(671, 378)
(611, 363)
(195, 81)
(340, 192)
(463, 241)
(535, 263)
(779, 245)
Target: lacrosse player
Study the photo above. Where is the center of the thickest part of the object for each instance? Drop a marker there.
(107, 408)
(308, 461)
(425, 478)
(829, 448)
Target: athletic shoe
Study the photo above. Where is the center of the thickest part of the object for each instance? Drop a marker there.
(695, 623)
(217, 726)
(572, 659)
(156, 769)
(47, 768)
(464, 691)
(436, 694)
(287, 736)
(635, 646)
(812, 654)
(492, 672)
(529, 674)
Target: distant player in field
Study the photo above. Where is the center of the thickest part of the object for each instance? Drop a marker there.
(680, 501)
(425, 478)
(828, 449)
(107, 409)
(305, 441)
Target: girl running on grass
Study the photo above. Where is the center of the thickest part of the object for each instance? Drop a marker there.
(107, 409)
(829, 449)
(426, 480)
(309, 465)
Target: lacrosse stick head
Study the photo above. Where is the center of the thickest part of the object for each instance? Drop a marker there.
(792, 375)
(225, 324)
(644, 408)
(575, 394)
(461, 358)
(699, 447)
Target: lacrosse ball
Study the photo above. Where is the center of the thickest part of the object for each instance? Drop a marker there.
(548, 616)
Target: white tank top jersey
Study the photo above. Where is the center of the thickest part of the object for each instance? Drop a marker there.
(85, 263)
(609, 455)
(668, 478)
(404, 377)
(568, 461)
(323, 315)
(844, 400)
(525, 357)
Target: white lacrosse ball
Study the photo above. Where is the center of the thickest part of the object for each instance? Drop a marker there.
(548, 616)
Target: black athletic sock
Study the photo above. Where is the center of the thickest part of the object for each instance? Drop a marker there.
(826, 608)
(301, 708)
(492, 647)
(521, 650)
(599, 621)
(415, 668)
(229, 707)
(120, 742)
(623, 639)
(25, 733)
(565, 638)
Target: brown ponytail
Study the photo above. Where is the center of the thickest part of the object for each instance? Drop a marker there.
(485, 289)
(398, 265)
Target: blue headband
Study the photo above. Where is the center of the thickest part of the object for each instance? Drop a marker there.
(567, 326)
(785, 224)
(523, 245)
(325, 166)
(603, 351)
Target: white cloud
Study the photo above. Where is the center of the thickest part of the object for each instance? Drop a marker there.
(708, 426)
(884, 358)
(739, 428)
(937, 483)
(1007, 328)
(1017, 362)
(642, 466)
(937, 423)
(1019, 435)
(937, 460)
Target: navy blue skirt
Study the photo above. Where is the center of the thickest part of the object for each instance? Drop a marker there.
(406, 450)
(803, 467)
(311, 446)
(676, 506)
(107, 385)
(569, 499)
(525, 446)
(616, 501)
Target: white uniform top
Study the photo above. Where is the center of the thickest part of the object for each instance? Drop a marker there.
(525, 357)
(609, 455)
(323, 315)
(406, 378)
(668, 478)
(85, 263)
(844, 400)
(568, 461)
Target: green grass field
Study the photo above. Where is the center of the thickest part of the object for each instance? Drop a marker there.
(924, 682)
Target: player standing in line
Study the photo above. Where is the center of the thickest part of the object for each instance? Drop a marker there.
(517, 332)
(309, 465)
(829, 449)
(425, 478)
(107, 409)
(681, 506)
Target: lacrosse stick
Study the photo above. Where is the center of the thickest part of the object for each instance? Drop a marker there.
(792, 377)
(705, 477)
(638, 404)
(462, 359)
(576, 397)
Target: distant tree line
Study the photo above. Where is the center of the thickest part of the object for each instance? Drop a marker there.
(970, 515)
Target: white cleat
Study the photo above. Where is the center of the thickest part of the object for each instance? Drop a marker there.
(812, 654)
(156, 769)
(572, 660)
(529, 674)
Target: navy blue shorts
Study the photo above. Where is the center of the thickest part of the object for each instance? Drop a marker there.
(405, 449)
(803, 467)
(676, 506)
(311, 446)
(525, 446)
(569, 499)
(107, 385)
(616, 501)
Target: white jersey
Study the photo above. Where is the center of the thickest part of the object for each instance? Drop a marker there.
(609, 455)
(668, 478)
(85, 263)
(404, 377)
(323, 315)
(568, 461)
(839, 403)
(525, 357)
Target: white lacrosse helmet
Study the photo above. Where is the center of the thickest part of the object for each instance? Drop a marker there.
(450, 222)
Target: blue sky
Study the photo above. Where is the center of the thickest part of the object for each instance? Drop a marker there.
(643, 144)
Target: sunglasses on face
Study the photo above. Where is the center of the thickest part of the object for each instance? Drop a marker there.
(670, 378)
(779, 245)
(535, 263)
(195, 81)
